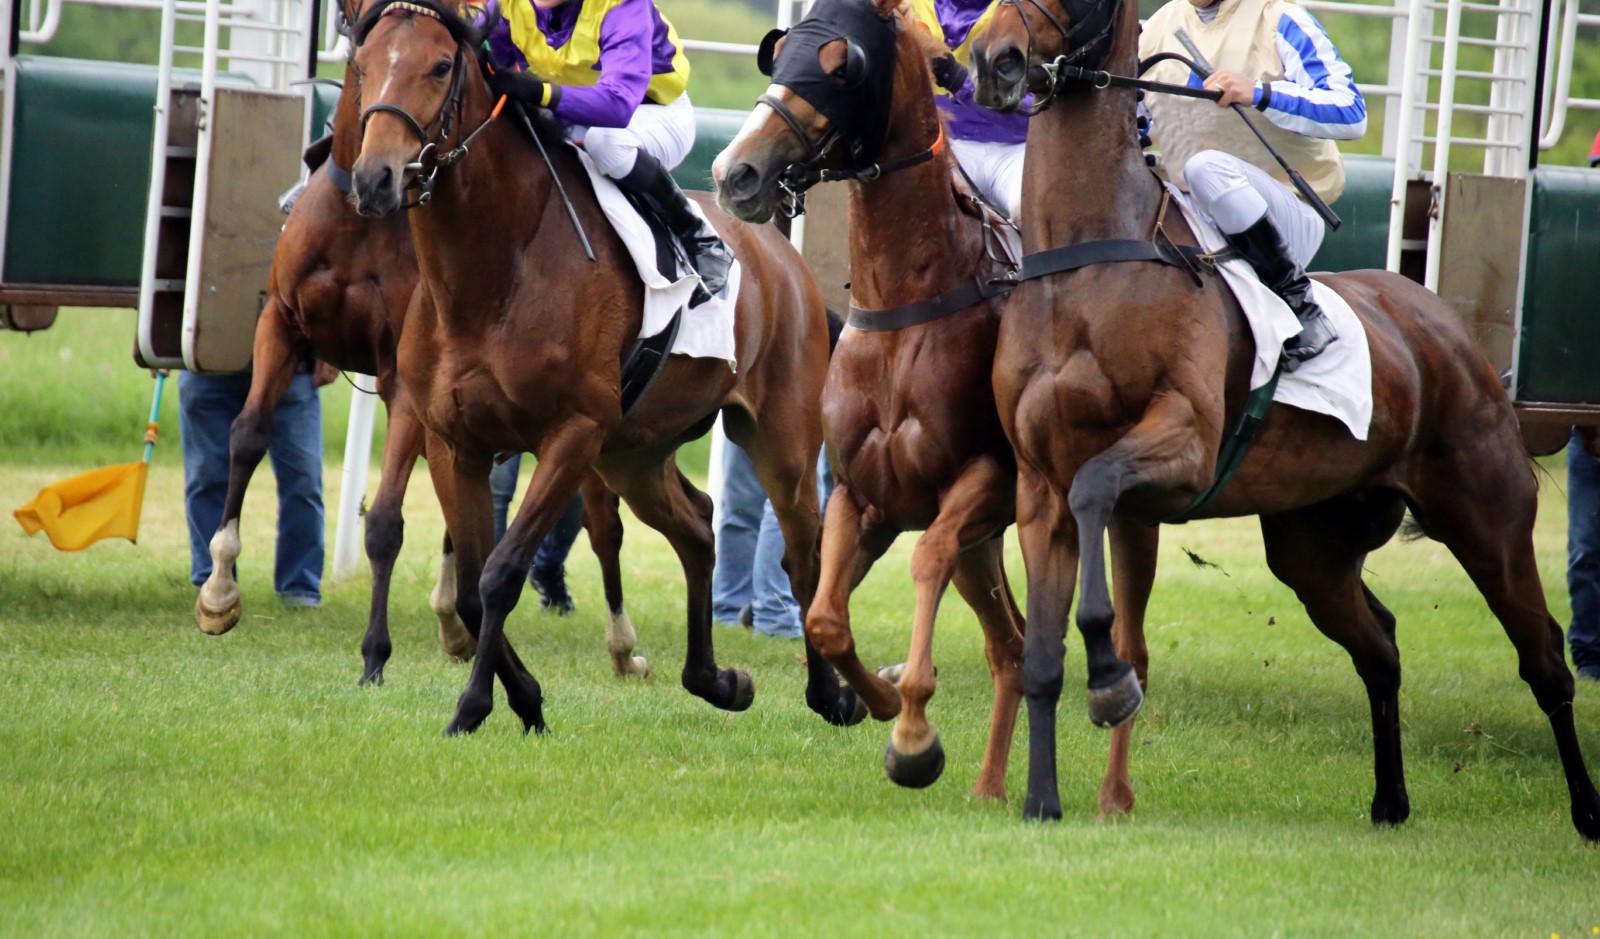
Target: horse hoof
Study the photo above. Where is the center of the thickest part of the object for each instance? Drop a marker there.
(914, 770)
(372, 676)
(842, 708)
(1390, 811)
(892, 673)
(1117, 702)
(744, 691)
(1115, 801)
(216, 622)
(458, 643)
(629, 666)
(470, 715)
(1586, 817)
(1042, 808)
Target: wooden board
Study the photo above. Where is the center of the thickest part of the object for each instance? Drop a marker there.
(827, 243)
(1480, 255)
(255, 157)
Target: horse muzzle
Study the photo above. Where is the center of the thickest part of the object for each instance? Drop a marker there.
(1000, 76)
(377, 186)
(747, 192)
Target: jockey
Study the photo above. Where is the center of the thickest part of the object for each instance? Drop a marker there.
(987, 144)
(614, 72)
(1273, 56)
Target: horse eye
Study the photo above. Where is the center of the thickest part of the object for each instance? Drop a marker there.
(441, 70)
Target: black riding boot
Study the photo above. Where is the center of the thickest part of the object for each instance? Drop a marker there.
(710, 257)
(1263, 246)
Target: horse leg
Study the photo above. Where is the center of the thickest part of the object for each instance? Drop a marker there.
(850, 546)
(463, 492)
(1482, 509)
(217, 608)
(1161, 453)
(1133, 572)
(665, 500)
(1049, 537)
(967, 513)
(603, 519)
(1318, 552)
(456, 638)
(980, 578)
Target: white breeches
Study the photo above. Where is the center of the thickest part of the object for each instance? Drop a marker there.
(665, 131)
(996, 168)
(1237, 194)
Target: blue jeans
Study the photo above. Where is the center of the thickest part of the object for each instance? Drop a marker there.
(750, 550)
(555, 547)
(1583, 554)
(207, 406)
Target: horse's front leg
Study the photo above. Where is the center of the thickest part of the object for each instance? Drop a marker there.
(217, 608)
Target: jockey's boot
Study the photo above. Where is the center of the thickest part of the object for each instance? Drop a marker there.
(1263, 246)
(711, 258)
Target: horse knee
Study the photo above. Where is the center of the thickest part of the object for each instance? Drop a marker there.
(249, 435)
(1042, 681)
(829, 633)
(501, 581)
(385, 532)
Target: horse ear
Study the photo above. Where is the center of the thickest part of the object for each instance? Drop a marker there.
(768, 51)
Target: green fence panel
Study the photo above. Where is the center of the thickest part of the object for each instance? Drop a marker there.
(714, 129)
(1362, 242)
(1559, 353)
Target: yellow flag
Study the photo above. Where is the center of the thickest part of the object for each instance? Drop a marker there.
(77, 512)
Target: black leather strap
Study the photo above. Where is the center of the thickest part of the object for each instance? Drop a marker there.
(1111, 251)
(926, 311)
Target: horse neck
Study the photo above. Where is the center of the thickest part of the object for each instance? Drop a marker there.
(347, 118)
(486, 213)
(1084, 158)
(909, 239)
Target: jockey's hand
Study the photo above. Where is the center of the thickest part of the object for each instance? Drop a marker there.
(948, 73)
(1236, 89)
(519, 86)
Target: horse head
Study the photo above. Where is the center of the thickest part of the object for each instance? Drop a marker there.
(835, 75)
(410, 65)
(1028, 40)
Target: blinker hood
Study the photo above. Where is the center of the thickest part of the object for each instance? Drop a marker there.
(856, 104)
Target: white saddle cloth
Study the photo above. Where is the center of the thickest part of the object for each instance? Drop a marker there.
(707, 330)
(1338, 382)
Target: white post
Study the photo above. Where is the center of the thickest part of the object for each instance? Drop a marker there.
(1444, 128)
(1410, 127)
(353, 479)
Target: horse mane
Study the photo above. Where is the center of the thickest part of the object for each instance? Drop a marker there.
(470, 25)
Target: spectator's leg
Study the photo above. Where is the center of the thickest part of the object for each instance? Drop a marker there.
(296, 452)
(742, 499)
(776, 611)
(502, 487)
(548, 572)
(1583, 556)
(207, 405)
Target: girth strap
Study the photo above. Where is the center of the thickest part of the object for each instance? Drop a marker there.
(1071, 257)
(937, 307)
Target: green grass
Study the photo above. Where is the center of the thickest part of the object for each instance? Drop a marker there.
(155, 781)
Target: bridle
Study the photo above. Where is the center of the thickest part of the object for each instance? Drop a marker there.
(1053, 70)
(425, 168)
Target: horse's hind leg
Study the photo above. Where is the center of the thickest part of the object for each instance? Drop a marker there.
(1482, 509)
(603, 518)
(980, 577)
(1133, 572)
(663, 499)
(1318, 552)
(275, 358)
(971, 510)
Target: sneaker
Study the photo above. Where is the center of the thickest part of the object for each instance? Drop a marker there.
(747, 616)
(1589, 672)
(295, 601)
(552, 589)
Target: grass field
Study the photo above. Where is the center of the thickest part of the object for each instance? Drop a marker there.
(158, 782)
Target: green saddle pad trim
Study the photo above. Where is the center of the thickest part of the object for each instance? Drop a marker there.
(1235, 447)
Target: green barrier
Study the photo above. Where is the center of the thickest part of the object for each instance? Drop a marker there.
(1559, 357)
(1362, 242)
(80, 170)
(715, 128)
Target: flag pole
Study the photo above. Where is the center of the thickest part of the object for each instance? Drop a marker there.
(155, 412)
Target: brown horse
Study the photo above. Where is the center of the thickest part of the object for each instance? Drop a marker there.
(514, 342)
(1115, 383)
(338, 291)
(908, 413)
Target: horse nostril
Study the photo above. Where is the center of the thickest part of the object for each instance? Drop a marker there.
(385, 180)
(1009, 66)
(743, 181)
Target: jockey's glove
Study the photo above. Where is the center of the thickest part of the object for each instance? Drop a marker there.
(948, 73)
(524, 88)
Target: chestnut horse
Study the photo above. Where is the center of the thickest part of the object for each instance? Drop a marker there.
(1116, 381)
(338, 291)
(908, 413)
(514, 341)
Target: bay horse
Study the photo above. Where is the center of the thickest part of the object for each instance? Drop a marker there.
(514, 341)
(908, 413)
(1116, 381)
(338, 291)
